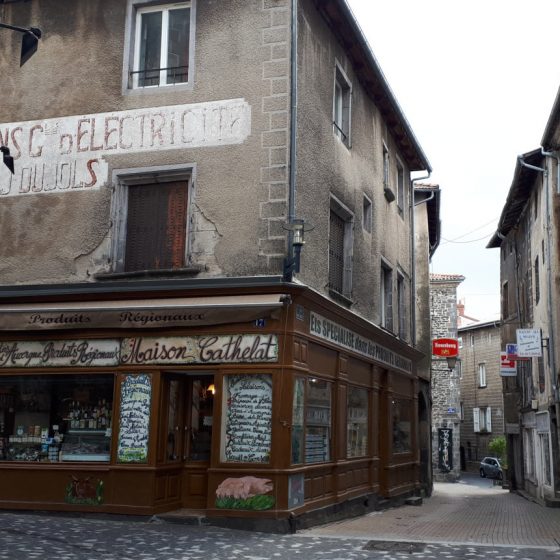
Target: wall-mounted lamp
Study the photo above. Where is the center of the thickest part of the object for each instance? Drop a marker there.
(211, 389)
(451, 362)
(291, 262)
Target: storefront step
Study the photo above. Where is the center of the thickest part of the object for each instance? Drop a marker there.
(185, 516)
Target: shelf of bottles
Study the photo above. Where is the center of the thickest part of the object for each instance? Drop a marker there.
(84, 417)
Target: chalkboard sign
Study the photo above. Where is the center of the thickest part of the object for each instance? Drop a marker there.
(136, 393)
(248, 418)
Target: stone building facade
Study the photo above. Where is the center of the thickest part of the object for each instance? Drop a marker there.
(482, 400)
(446, 385)
(153, 260)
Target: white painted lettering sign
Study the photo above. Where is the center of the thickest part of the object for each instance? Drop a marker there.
(68, 154)
(341, 336)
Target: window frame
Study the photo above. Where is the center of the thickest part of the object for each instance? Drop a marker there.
(123, 179)
(342, 106)
(401, 306)
(131, 46)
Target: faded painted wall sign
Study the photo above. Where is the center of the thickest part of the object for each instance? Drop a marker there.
(345, 338)
(200, 349)
(68, 153)
(136, 395)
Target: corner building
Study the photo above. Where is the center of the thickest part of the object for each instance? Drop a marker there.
(166, 341)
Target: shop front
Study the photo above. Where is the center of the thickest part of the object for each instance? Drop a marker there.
(263, 405)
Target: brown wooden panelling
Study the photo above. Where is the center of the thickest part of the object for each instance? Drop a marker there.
(173, 487)
(160, 487)
(322, 360)
(359, 372)
(197, 484)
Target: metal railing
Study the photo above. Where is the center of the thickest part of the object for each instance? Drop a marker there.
(151, 76)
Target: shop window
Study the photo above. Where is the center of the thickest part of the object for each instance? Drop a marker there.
(357, 422)
(401, 414)
(247, 410)
(298, 421)
(53, 418)
(544, 439)
(342, 103)
(161, 45)
(318, 421)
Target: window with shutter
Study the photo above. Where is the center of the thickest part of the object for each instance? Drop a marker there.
(488, 419)
(476, 419)
(156, 227)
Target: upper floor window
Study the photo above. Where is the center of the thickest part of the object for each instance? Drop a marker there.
(367, 217)
(340, 249)
(156, 227)
(401, 302)
(482, 375)
(162, 45)
(386, 297)
(342, 106)
(151, 220)
(401, 202)
(537, 281)
(505, 300)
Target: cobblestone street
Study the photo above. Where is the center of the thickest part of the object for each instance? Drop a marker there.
(474, 520)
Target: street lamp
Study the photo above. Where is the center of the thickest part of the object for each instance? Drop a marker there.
(29, 41)
(292, 262)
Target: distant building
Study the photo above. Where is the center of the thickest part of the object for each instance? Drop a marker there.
(446, 390)
(462, 319)
(482, 402)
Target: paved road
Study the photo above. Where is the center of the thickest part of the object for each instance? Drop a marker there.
(408, 532)
(473, 511)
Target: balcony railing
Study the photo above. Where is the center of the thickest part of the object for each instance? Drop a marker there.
(153, 76)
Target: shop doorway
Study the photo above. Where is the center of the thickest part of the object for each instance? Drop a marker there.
(186, 432)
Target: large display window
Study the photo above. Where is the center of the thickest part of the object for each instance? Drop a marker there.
(318, 421)
(55, 418)
(357, 422)
(402, 425)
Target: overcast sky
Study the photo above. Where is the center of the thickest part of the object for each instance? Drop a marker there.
(477, 81)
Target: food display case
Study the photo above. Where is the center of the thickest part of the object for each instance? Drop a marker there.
(86, 445)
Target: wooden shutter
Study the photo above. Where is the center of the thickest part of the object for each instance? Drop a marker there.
(488, 419)
(156, 226)
(476, 419)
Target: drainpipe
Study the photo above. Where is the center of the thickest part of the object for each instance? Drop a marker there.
(411, 207)
(293, 131)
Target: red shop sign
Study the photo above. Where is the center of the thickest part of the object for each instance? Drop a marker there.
(446, 347)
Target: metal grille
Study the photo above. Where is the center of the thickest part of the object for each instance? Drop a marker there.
(336, 252)
(156, 226)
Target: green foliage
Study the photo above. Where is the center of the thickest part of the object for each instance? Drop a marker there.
(497, 446)
(257, 503)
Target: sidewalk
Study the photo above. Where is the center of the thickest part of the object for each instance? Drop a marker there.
(472, 511)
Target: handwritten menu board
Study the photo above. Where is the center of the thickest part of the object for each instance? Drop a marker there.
(136, 393)
(248, 418)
